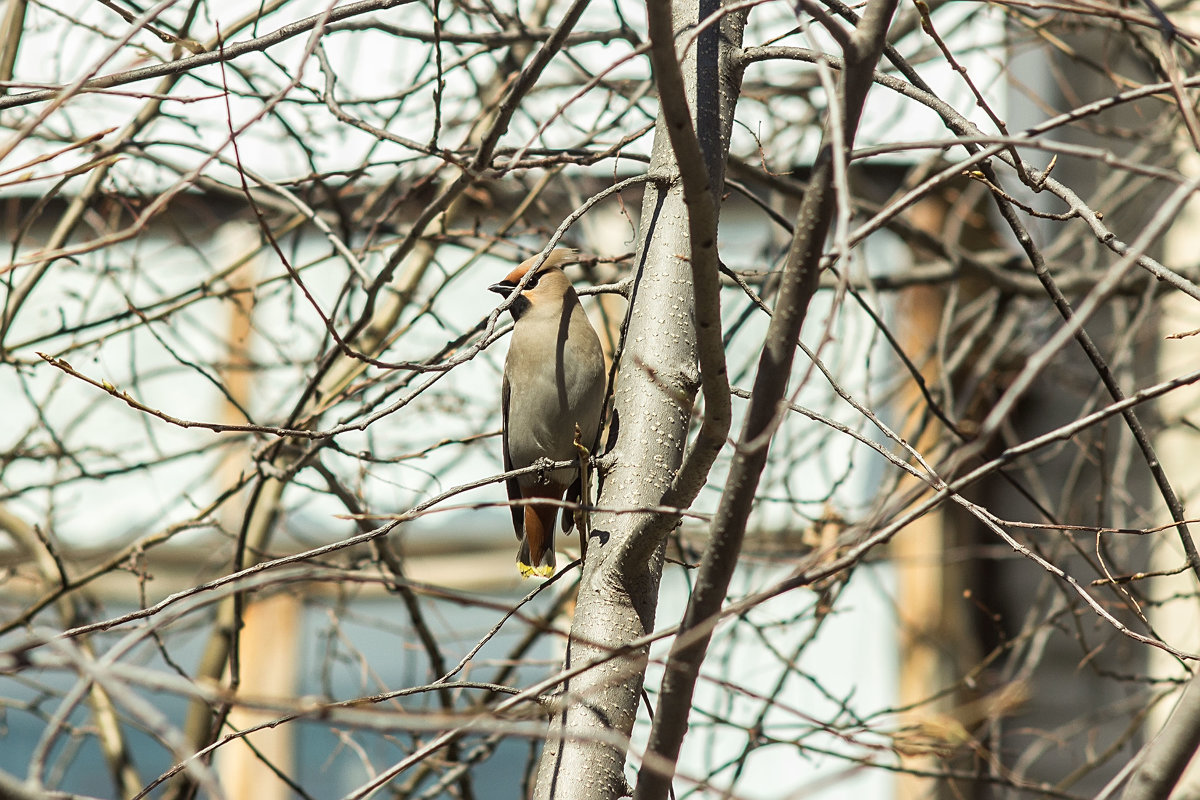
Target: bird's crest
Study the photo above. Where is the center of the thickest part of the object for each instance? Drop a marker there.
(557, 258)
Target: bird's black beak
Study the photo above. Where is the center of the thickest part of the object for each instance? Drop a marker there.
(503, 288)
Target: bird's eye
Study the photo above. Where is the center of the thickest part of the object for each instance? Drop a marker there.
(533, 281)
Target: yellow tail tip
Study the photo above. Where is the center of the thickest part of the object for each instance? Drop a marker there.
(529, 572)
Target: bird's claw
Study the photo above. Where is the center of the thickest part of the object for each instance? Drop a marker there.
(544, 465)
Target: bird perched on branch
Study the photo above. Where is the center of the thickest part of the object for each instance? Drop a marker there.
(550, 399)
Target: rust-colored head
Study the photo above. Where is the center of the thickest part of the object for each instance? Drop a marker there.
(557, 258)
(549, 284)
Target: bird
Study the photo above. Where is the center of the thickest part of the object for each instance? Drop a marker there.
(553, 386)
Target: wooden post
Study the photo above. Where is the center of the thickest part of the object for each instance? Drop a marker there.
(937, 644)
(271, 623)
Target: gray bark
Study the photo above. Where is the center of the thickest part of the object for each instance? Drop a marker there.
(584, 756)
(798, 284)
(1165, 757)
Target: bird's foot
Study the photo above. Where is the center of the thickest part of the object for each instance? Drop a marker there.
(544, 465)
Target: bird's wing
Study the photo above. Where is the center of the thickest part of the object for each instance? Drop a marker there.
(514, 489)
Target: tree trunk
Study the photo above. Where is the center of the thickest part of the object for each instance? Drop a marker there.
(584, 756)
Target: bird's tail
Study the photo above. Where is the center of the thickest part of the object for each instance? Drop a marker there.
(536, 556)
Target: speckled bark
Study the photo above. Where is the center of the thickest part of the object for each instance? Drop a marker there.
(584, 757)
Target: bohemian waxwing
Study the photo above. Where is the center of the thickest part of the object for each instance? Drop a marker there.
(553, 381)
